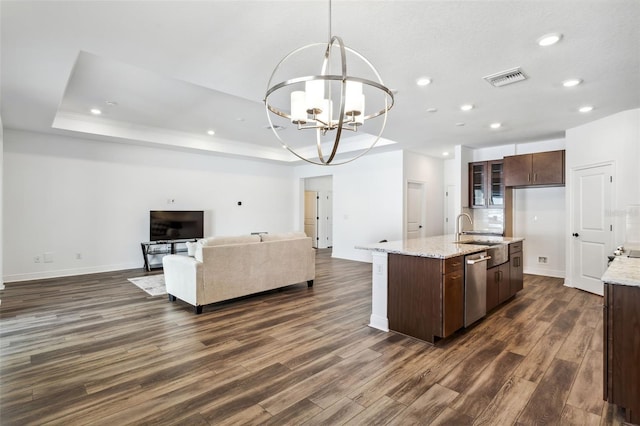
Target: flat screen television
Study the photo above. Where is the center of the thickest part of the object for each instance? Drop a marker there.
(167, 225)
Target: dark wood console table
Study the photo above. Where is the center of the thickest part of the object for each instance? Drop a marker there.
(154, 248)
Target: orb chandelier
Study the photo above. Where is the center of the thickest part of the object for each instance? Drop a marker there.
(324, 105)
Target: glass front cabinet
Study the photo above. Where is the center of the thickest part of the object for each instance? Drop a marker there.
(486, 184)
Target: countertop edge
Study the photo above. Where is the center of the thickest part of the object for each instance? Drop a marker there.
(437, 247)
(623, 271)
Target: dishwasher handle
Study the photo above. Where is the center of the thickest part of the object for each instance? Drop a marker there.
(480, 259)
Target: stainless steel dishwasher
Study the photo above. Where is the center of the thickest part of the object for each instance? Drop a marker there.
(475, 287)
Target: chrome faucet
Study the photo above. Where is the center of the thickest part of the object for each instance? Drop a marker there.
(458, 227)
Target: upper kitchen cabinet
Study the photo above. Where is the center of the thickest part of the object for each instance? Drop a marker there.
(540, 168)
(486, 184)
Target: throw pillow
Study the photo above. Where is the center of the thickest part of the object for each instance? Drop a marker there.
(191, 248)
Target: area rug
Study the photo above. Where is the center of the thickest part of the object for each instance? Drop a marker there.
(152, 284)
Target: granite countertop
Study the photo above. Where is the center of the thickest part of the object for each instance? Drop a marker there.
(624, 270)
(440, 247)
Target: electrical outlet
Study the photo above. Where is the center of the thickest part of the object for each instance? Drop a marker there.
(37, 259)
(542, 259)
(78, 256)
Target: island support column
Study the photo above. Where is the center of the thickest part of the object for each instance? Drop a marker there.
(379, 317)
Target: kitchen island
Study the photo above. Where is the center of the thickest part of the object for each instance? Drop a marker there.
(418, 285)
(621, 335)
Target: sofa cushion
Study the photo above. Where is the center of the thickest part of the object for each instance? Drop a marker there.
(283, 236)
(226, 240)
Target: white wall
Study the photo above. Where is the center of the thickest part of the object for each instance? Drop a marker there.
(539, 218)
(66, 196)
(1, 203)
(538, 213)
(430, 171)
(367, 201)
(614, 139)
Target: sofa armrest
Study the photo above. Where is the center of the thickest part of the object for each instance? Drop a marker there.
(183, 278)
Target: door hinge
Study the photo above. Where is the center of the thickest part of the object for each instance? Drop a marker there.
(611, 179)
(610, 227)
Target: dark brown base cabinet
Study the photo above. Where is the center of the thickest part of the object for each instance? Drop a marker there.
(498, 285)
(621, 333)
(425, 296)
(504, 281)
(516, 268)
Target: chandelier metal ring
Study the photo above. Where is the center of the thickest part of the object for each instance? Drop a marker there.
(339, 124)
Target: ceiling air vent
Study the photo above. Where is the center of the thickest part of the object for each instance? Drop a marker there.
(503, 78)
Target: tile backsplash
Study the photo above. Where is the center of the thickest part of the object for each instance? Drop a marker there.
(488, 219)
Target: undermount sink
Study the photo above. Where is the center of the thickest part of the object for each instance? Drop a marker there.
(498, 251)
(479, 243)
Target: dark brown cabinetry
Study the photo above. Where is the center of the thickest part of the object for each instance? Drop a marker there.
(515, 267)
(540, 168)
(486, 184)
(498, 285)
(425, 296)
(452, 296)
(504, 281)
(621, 333)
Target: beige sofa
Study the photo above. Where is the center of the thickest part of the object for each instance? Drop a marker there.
(224, 268)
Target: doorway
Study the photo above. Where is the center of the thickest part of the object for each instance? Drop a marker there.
(450, 210)
(318, 210)
(591, 225)
(415, 210)
(311, 216)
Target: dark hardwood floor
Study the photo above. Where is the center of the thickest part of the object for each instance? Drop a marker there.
(95, 349)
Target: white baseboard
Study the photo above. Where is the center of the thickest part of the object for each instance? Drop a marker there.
(29, 276)
(545, 272)
(379, 322)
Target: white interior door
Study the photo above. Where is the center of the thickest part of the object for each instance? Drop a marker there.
(450, 213)
(415, 215)
(311, 216)
(591, 226)
(328, 219)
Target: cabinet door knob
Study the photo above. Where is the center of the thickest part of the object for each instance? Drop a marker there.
(575, 234)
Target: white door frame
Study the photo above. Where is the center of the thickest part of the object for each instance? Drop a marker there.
(572, 280)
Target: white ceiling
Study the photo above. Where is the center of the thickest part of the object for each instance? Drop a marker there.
(177, 68)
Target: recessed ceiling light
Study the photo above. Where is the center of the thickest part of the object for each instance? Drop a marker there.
(549, 39)
(211, 132)
(95, 111)
(445, 154)
(586, 108)
(423, 81)
(495, 125)
(466, 107)
(432, 109)
(460, 124)
(572, 82)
